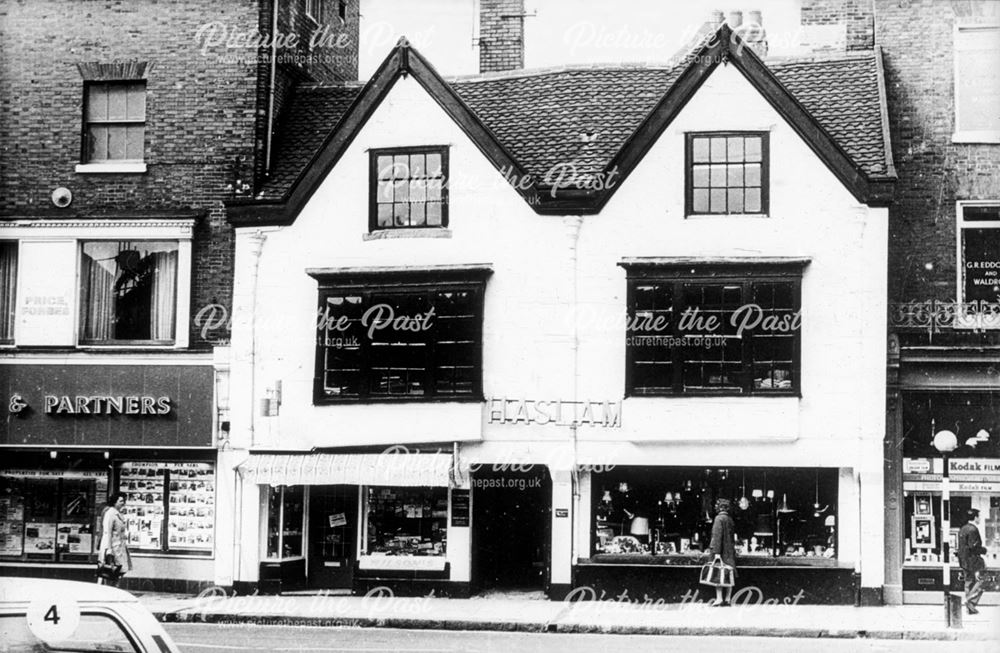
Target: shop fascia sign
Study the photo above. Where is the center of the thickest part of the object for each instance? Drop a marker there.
(140, 405)
(503, 410)
(956, 466)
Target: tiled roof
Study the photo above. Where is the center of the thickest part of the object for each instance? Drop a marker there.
(585, 115)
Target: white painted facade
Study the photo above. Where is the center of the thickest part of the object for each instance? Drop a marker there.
(554, 324)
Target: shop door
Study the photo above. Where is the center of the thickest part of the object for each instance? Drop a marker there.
(333, 522)
(511, 529)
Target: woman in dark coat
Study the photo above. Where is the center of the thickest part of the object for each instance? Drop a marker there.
(723, 544)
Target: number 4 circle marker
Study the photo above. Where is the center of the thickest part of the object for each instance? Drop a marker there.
(53, 620)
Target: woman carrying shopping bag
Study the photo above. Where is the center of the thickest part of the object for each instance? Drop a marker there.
(114, 560)
(720, 572)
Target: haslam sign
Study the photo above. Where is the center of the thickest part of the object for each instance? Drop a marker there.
(555, 411)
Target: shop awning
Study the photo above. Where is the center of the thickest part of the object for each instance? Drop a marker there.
(396, 469)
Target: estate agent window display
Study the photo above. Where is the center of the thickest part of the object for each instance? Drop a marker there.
(664, 511)
(403, 521)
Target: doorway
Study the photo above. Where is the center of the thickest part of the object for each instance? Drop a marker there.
(333, 523)
(511, 526)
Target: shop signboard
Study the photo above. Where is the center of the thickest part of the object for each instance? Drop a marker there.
(984, 467)
(107, 405)
(460, 508)
(555, 412)
(955, 486)
(402, 563)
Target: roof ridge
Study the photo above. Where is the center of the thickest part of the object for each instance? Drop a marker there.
(313, 86)
(844, 57)
(564, 68)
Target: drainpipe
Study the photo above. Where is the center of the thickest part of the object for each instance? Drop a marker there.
(574, 475)
(270, 88)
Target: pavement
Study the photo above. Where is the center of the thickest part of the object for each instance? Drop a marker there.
(529, 614)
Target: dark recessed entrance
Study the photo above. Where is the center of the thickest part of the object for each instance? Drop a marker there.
(333, 523)
(511, 525)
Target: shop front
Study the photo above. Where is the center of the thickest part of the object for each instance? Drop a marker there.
(76, 434)
(354, 522)
(974, 483)
(650, 530)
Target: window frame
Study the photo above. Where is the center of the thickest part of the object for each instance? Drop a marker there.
(99, 165)
(178, 340)
(419, 282)
(9, 341)
(313, 9)
(746, 275)
(959, 135)
(765, 165)
(373, 156)
(963, 319)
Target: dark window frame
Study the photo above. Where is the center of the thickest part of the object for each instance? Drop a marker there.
(373, 156)
(420, 282)
(86, 122)
(765, 165)
(15, 244)
(712, 274)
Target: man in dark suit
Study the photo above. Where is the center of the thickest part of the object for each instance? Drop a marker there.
(970, 557)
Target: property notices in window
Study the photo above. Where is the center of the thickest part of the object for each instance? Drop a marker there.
(192, 506)
(142, 484)
(11, 519)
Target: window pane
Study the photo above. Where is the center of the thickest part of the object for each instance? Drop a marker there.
(718, 150)
(700, 176)
(134, 140)
(97, 143)
(136, 102)
(753, 175)
(752, 204)
(434, 165)
(384, 193)
(116, 143)
(417, 169)
(117, 102)
(434, 214)
(8, 287)
(735, 149)
(128, 290)
(401, 191)
(97, 102)
(736, 200)
(718, 201)
(700, 200)
(384, 164)
(384, 215)
(417, 214)
(718, 176)
(401, 166)
(699, 147)
(977, 86)
(401, 215)
(753, 151)
(418, 190)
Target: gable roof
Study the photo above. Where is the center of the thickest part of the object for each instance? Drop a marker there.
(598, 118)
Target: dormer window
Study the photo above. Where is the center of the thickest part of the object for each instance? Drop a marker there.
(726, 173)
(408, 188)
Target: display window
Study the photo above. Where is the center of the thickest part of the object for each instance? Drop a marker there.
(50, 515)
(665, 511)
(169, 506)
(285, 513)
(403, 521)
(922, 543)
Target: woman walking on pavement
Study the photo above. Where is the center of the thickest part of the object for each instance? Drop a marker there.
(114, 536)
(723, 544)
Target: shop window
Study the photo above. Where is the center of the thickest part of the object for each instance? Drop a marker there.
(409, 341)
(408, 188)
(727, 173)
(978, 255)
(718, 332)
(407, 521)
(285, 512)
(8, 289)
(114, 122)
(50, 516)
(977, 86)
(169, 507)
(663, 511)
(128, 291)
(95, 632)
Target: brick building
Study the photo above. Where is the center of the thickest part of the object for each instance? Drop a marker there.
(123, 128)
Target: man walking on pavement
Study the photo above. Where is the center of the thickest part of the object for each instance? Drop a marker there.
(970, 550)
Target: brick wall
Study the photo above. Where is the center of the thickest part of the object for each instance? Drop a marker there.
(916, 38)
(200, 115)
(501, 35)
(856, 15)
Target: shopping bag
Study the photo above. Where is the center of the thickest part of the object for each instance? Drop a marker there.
(717, 574)
(107, 569)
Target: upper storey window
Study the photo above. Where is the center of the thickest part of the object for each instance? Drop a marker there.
(977, 86)
(726, 173)
(408, 188)
(8, 289)
(114, 122)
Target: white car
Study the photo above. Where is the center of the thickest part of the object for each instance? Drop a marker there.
(60, 615)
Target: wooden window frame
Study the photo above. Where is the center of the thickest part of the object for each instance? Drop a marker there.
(765, 165)
(366, 286)
(87, 123)
(373, 156)
(745, 276)
(16, 246)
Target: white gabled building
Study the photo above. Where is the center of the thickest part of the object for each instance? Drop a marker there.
(549, 405)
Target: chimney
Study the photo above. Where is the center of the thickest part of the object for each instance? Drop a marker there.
(716, 17)
(735, 19)
(501, 35)
(754, 34)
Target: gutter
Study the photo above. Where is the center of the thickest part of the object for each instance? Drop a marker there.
(270, 90)
(884, 111)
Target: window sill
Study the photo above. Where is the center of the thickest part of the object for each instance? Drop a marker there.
(110, 168)
(639, 394)
(985, 138)
(417, 232)
(741, 216)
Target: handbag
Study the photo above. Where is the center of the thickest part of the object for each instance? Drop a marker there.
(108, 569)
(717, 574)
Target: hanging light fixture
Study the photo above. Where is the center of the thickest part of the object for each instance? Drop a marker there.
(744, 502)
(783, 507)
(817, 511)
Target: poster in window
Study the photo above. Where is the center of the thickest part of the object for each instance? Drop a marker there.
(142, 485)
(12, 523)
(191, 518)
(40, 539)
(981, 265)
